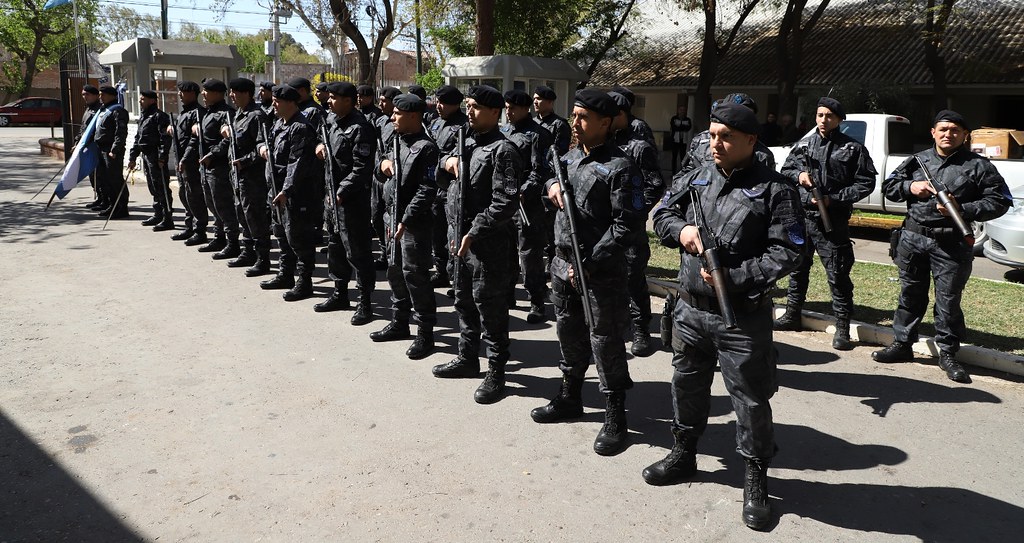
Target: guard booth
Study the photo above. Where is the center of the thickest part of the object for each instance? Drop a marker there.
(507, 72)
(144, 63)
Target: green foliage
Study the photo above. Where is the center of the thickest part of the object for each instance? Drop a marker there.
(431, 79)
(123, 23)
(36, 38)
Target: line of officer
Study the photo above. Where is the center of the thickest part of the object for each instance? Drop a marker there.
(367, 100)
(429, 113)
(292, 154)
(491, 200)
(111, 136)
(353, 142)
(699, 153)
(445, 132)
(638, 253)
(220, 194)
(843, 172)
(91, 97)
(534, 143)
(153, 143)
(190, 183)
(267, 101)
(608, 190)
(385, 134)
(251, 206)
(409, 273)
(638, 126)
(930, 243)
(315, 115)
(756, 215)
(544, 106)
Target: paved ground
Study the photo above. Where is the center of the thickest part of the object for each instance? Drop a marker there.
(147, 392)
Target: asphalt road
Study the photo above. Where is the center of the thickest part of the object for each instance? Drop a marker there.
(147, 392)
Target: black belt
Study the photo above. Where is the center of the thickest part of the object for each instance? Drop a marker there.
(710, 303)
(934, 233)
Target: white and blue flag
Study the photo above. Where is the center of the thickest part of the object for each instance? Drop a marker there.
(54, 3)
(84, 160)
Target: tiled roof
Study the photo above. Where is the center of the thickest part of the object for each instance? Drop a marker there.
(854, 41)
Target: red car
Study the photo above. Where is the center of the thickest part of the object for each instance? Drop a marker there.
(31, 110)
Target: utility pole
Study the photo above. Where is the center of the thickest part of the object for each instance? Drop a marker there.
(275, 39)
(419, 46)
(163, 19)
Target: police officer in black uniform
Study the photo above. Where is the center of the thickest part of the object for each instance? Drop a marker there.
(534, 143)
(111, 137)
(544, 105)
(638, 253)
(267, 101)
(368, 103)
(482, 243)
(190, 183)
(931, 244)
(699, 153)
(250, 169)
(91, 97)
(220, 194)
(608, 191)
(322, 96)
(639, 127)
(429, 113)
(842, 170)
(353, 144)
(292, 155)
(409, 274)
(445, 132)
(385, 133)
(153, 143)
(755, 214)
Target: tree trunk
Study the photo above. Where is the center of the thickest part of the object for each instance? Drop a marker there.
(30, 66)
(936, 19)
(614, 35)
(484, 27)
(708, 68)
(789, 51)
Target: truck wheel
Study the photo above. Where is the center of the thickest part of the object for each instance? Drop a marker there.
(980, 236)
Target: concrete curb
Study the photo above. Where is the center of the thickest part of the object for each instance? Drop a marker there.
(883, 335)
(52, 148)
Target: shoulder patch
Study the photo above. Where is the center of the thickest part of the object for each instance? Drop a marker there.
(364, 149)
(795, 230)
(755, 192)
(700, 182)
(600, 168)
(511, 185)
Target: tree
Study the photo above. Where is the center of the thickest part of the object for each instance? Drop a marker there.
(484, 27)
(789, 48)
(36, 38)
(123, 23)
(607, 21)
(936, 17)
(382, 13)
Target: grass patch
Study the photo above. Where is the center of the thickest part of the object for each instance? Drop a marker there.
(991, 309)
(876, 215)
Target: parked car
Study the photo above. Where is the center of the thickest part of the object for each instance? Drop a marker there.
(1005, 244)
(889, 141)
(32, 110)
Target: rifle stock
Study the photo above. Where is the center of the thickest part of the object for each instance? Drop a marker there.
(569, 208)
(826, 219)
(942, 194)
(712, 263)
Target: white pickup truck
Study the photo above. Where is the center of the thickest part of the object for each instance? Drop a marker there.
(889, 140)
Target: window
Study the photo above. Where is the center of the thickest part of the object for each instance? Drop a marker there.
(901, 138)
(855, 129)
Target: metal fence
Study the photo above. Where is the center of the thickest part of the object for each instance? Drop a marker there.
(74, 73)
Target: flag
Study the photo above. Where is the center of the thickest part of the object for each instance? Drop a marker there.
(84, 160)
(55, 3)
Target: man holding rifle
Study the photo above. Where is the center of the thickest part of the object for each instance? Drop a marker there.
(752, 217)
(598, 191)
(212, 149)
(930, 241)
(154, 144)
(190, 181)
(833, 171)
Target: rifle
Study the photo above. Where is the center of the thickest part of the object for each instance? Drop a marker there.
(826, 220)
(329, 178)
(268, 172)
(711, 262)
(393, 256)
(569, 208)
(232, 156)
(460, 211)
(942, 194)
(202, 148)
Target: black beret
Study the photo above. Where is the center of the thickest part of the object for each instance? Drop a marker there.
(322, 86)
(390, 92)
(833, 105)
(241, 84)
(148, 94)
(621, 101)
(364, 90)
(215, 85)
(343, 89)
(487, 96)
(188, 86)
(107, 89)
(89, 89)
(736, 116)
(597, 101)
(286, 92)
(418, 90)
(951, 116)
(737, 98)
(627, 93)
(545, 93)
(410, 102)
(518, 97)
(447, 94)
(298, 83)
(269, 85)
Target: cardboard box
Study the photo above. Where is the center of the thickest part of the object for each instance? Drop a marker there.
(997, 142)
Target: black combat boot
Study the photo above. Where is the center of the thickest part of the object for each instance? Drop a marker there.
(246, 258)
(423, 345)
(899, 351)
(680, 464)
(337, 301)
(791, 320)
(381, 264)
(303, 289)
(166, 224)
(364, 311)
(394, 331)
(493, 386)
(230, 250)
(285, 278)
(440, 280)
(614, 434)
(183, 235)
(757, 512)
(537, 314)
(641, 342)
(953, 369)
(216, 244)
(262, 264)
(457, 368)
(841, 339)
(97, 204)
(568, 404)
(153, 220)
(197, 238)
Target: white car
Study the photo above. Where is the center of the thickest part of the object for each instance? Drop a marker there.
(1005, 243)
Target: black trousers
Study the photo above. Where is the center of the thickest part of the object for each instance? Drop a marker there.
(300, 222)
(409, 276)
(439, 233)
(532, 249)
(349, 251)
(158, 184)
(253, 208)
(220, 198)
(638, 254)
(481, 298)
(836, 252)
